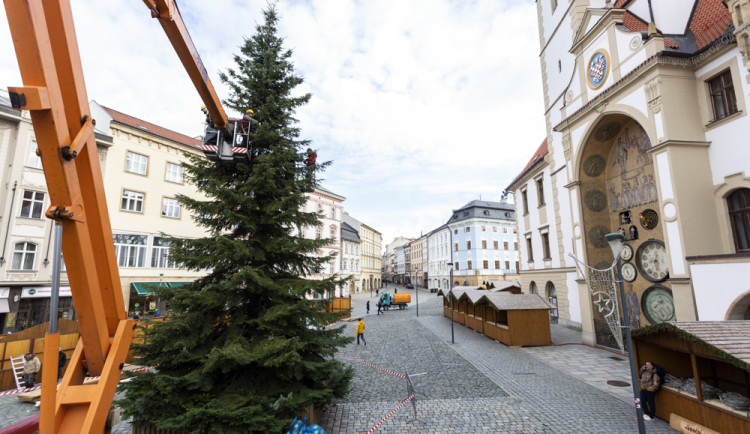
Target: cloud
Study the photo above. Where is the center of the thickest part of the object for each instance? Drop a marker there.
(423, 106)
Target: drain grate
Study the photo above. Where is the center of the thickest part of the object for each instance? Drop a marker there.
(618, 383)
(617, 358)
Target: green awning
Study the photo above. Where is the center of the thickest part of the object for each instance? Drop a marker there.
(179, 283)
(143, 289)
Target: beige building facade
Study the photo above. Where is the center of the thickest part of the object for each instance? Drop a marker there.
(372, 261)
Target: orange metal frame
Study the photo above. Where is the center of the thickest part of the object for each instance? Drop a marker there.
(55, 94)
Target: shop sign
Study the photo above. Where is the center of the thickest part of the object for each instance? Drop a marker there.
(43, 292)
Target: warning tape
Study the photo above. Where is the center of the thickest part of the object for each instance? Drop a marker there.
(377, 425)
(371, 365)
(31, 389)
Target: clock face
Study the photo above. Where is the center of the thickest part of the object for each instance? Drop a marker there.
(651, 260)
(628, 272)
(657, 304)
(626, 253)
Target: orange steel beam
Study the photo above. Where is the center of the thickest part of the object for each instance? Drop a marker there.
(54, 92)
(168, 14)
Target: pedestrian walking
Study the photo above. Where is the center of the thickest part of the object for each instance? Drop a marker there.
(368, 307)
(649, 386)
(30, 368)
(361, 331)
(61, 359)
(380, 307)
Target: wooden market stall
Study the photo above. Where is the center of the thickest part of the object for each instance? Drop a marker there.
(512, 319)
(708, 371)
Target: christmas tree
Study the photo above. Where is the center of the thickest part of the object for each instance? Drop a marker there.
(242, 349)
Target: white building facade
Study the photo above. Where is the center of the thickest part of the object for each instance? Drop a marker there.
(438, 257)
(646, 111)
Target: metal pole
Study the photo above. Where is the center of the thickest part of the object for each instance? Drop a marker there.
(416, 288)
(453, 339)
(56, 265)
(633, 368)
(158, 299)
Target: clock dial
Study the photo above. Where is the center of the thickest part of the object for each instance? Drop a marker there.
(652, 261)
(627, 252)
(658, 304)
(628, 272)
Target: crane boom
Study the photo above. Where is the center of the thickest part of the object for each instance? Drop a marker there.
(168, 14)
(54, 92)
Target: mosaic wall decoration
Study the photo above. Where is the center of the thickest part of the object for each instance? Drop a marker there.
(596, 236)
(595, 200)
(631, 182)
(607, 131)
(594, 165)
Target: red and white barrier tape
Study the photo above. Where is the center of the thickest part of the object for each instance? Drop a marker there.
(31, 389)
(371, 365)
(377, 425)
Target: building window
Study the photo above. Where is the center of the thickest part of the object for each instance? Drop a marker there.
(318, 232)
(507, 265)
(130, 250)
(170, 208)
(486, 264)
(132, 201)
(333, 233)
(739, 215)
(333, 213)
(468, 265)
(497, 265)
(525, 202)
(722, 95)
(468, 229)
(174, 173)
(505, 245)
(484, 244)
(455, 231)
(456, 246)
(34, 161)
(33, 201)
(456, 265)
(23, 256)
(160, 254)
(468, 245)
(528, 248)
(494, 229)
(540, 191)
(505, 230)
(484, 229)
(136, 163)
(545, 246)
(515, 245)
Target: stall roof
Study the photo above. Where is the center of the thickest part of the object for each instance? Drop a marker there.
(729, 340)
(505, 301)
(501, 300)
(504, 285)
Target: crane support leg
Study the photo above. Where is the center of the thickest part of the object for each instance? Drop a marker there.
(55, 94)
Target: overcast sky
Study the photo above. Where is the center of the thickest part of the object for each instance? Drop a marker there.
(422, 106)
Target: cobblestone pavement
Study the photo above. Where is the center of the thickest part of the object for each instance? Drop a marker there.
(475, 385)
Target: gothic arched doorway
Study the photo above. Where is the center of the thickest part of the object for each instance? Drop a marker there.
(618, 193)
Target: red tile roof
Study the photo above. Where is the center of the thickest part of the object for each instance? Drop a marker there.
(538, 155)
(710, 20)
(154, 129)
(635, 24)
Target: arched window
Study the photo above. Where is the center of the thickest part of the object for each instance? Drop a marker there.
(23, 256)
(534, 289)
(552, 298)
(739, 215)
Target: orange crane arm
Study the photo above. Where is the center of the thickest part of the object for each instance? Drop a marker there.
(54, 92)
(169, 17)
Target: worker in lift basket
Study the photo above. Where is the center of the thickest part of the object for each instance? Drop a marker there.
(248, 121)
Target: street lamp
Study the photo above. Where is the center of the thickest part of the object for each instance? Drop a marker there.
(450, 264)
(616, 241)
(416, 287)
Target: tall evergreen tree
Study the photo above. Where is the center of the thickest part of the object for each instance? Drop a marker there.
(242, 350)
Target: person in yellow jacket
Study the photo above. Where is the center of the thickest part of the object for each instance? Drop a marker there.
(361, 331)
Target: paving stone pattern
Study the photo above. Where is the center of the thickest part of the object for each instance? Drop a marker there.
(475, 385)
